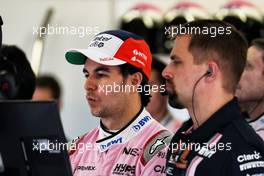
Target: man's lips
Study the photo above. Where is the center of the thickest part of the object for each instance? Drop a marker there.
(169, 86)
(91, 99)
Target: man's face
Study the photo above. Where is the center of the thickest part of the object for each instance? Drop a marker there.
(157, 101)
(181, 73)
(42, 93)
(251, 84)
(98, 78)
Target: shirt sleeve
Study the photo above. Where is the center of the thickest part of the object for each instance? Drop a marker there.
(153, 159)
(156, 166)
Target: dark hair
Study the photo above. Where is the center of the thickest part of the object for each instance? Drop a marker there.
(24, 74)
(48, 81)
(259, 43)
(127, 69)
(228, 49)
(159, 67)
(1, 23)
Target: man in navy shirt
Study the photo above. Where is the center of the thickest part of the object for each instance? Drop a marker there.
(207, 61)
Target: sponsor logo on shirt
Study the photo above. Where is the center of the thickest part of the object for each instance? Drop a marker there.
(112, 142)
(86, 168)
(124, 169)
(250, 160)
(251, 165)
(206, 152)
(141, 123)
(248, 157)
(161, 154)
(259, 174)
(169, 170)
(131, 151)
(160, 169)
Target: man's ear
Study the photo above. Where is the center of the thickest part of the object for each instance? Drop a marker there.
(212, 71)
(136, 78)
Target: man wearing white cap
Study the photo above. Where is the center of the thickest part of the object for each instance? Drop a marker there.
(117, 66)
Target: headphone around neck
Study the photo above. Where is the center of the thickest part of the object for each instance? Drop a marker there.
(9, 83)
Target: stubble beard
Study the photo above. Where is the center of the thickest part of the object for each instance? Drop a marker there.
(174, 100)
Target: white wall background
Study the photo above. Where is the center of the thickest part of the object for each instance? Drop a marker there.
(20, 16)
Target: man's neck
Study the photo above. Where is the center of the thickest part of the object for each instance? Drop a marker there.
(118, 120)
(161, 114)
(254, 109)
(204, 108)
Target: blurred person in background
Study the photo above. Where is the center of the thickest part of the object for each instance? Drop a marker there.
(158, 105)
(48, 88)
(245, 16)
(250, 91)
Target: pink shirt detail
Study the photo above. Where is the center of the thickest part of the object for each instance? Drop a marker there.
(120, 154)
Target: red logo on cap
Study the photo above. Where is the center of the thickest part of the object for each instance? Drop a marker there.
(136, 53)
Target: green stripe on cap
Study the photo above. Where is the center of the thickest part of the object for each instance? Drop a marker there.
(75, 58)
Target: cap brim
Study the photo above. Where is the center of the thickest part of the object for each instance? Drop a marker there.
(79, 56)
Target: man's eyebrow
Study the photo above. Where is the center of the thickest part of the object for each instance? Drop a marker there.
(249, 64)
(102, 68)
(85, 70)
(174, 57)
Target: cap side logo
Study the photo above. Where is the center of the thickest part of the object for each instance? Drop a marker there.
(139, 57)
(106, 59)
(98, 41)
(140, 54)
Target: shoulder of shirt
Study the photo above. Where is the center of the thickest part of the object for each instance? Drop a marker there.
(155, 144)
(78, 139)
(247, 135)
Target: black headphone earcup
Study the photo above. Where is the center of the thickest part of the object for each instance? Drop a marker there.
(1, 23)
(8, 85)
(0, 37)
(209, 72)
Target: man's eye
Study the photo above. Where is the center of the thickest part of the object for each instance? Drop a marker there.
(86, 75)
(248, 66)
(102, 73)
(177, 62)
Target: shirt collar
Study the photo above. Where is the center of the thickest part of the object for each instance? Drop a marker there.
(135, 126)
(258, 123)
(229, 112)
(167, 119)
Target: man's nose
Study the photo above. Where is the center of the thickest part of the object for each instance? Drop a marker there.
(166, 73)
(90, 83)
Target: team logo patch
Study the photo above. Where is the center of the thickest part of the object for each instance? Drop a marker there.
(157, 143)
